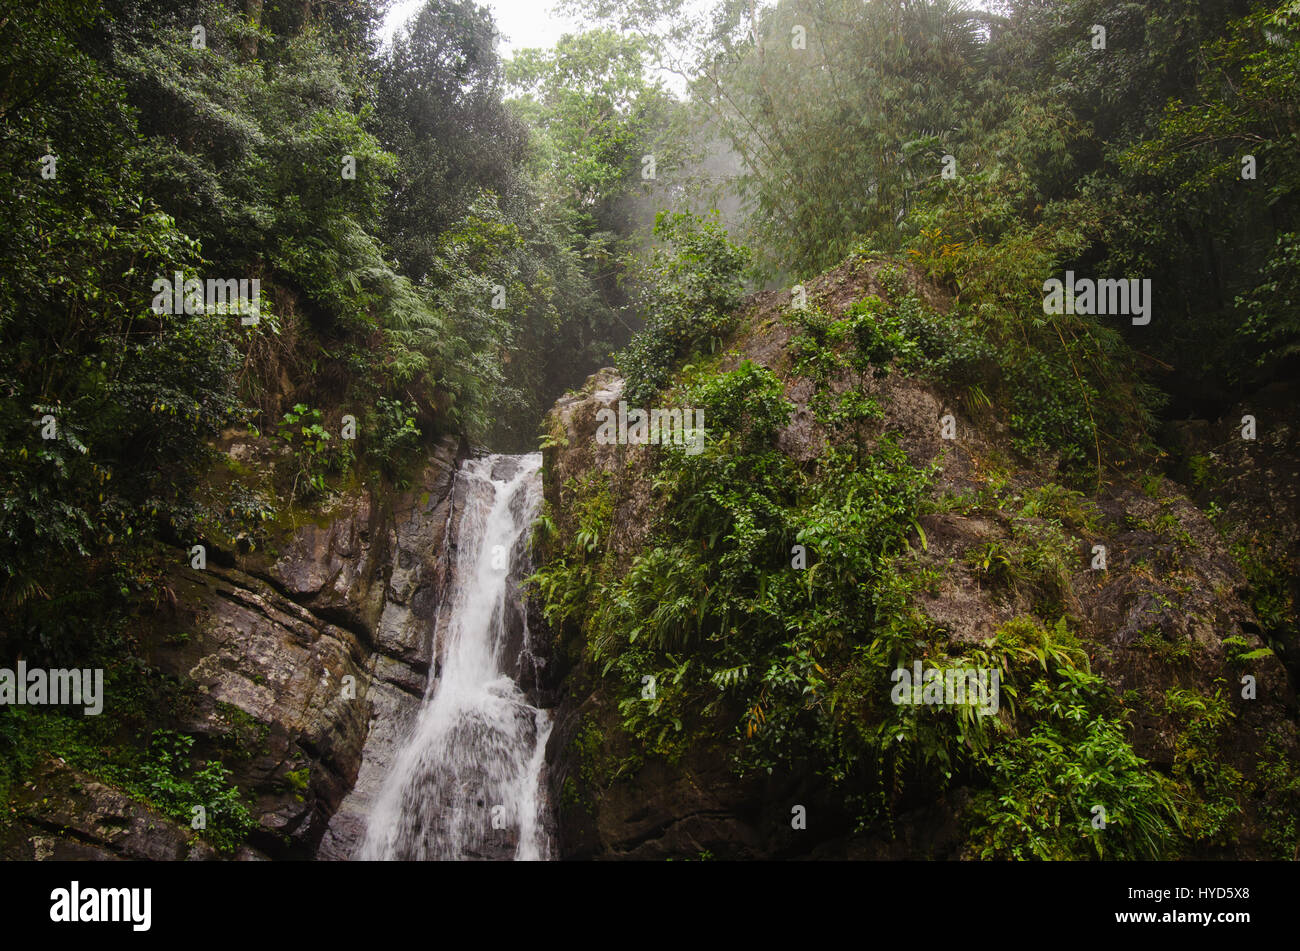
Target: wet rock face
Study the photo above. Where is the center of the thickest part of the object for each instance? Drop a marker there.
(1256, 485)
(411, 551)
(65, 815)
(336, 569)
(256, 651)
(295, 658)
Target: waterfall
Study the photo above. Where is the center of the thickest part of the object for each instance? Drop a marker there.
(468, 782)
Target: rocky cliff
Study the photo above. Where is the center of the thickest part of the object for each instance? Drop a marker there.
(293, 654)
(1170, 616)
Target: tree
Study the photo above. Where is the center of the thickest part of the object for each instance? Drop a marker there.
(440, 111)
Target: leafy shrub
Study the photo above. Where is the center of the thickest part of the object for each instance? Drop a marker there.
(944, 347)
(1272, 306)
(686, 298)
(1280, 786)
(314, 455)
(1050, 410)
(391, 436)
(1072, 756)
(175, 786)
(1210, 803)
(711, 610)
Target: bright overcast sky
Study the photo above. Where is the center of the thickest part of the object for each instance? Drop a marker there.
(524, 23)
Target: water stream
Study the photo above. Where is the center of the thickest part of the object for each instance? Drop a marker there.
(468, 783)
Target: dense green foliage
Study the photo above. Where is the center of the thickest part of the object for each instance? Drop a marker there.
(716, 632)
(687, 295)
(386, 200)
(1016, 140)
(770, 601)
(166, 772)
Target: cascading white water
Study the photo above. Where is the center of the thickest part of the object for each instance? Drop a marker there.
(468, 782)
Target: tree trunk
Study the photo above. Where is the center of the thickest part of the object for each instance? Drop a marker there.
(253, 10)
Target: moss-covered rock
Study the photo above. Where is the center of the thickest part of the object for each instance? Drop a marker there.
(1138, 651)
